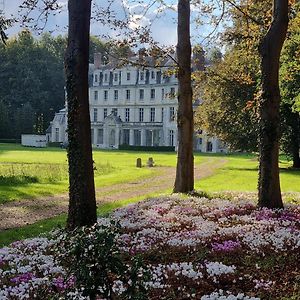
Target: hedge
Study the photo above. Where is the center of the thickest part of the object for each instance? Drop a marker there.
(148, 148)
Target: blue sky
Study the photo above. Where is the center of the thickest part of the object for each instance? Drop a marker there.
(162, 20)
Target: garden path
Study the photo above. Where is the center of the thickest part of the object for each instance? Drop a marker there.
(28, 211)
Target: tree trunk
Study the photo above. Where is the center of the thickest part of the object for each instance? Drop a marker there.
(82, 205)
(269, 193)
(185, 160)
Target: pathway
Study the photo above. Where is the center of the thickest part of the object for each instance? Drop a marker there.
(28, 211)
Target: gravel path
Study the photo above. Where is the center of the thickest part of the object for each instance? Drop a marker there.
(28, 211)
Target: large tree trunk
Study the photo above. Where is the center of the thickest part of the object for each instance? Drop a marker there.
(82, 205)
(269, 185)
(185, 160)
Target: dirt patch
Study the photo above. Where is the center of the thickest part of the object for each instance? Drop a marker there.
(28, 211)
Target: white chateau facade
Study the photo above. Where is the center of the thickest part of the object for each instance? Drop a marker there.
(131, 105)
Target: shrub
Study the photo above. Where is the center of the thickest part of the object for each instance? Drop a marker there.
(148, 148)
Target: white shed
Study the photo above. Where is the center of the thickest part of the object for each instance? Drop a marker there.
(34, 140)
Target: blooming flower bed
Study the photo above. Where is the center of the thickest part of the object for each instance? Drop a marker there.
(191, 248)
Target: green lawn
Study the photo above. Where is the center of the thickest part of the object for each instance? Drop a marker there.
(240, 173)
(29, 172)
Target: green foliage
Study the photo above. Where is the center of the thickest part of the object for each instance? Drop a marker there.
(93, 257)
(290, 87)
(31, 83)
(228, 89)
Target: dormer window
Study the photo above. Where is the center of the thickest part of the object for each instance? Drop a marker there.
(128, 76)
(142, 76)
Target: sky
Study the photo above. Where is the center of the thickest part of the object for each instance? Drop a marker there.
(162, 19)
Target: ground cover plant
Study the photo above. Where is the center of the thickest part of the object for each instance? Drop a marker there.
(163, 248)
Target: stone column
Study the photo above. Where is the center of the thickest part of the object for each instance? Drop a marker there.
(131, 137)
(143, 137)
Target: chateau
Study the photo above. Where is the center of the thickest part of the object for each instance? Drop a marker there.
(132, 105)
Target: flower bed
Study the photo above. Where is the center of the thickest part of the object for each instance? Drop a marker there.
(169, 248)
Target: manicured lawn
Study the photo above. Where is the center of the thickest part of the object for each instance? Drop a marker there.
(241, 174)
(29, 172)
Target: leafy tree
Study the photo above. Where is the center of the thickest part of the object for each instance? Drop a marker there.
(31, 72)
(290, 89)
(227, 90)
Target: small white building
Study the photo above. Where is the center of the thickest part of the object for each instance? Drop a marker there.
(131, 105)
(34, 140)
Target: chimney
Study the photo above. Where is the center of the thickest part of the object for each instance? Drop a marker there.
(97, 60)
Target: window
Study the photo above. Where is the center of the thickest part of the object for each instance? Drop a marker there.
(152, 114)
(162, 94)
(141, 115)
(96, 78)
(200, 141)
(105, 95)
(105, 77)
(95, 115)
(116, 94)
(142, 76)
(127, 114)
(100, 136)
(209, 147)
(95, 95)
(116, 77)
(172, 114)
(127, 94)
(114, 111)
(92, 135)
(104, 113)
(137, 137)
(141, 94)
(128, 76)
(152, 93)
(171, 137)
(56, 134)
(172, 92)
(152, 75)
(162, 114)
(126, 136)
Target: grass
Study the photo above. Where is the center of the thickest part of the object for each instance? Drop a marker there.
(29, 172)
(240, 174)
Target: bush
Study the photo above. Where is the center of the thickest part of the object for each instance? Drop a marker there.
(148, 148)
(94, 259)
(10, 141)
(55, 144)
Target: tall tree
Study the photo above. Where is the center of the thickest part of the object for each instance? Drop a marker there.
(269, 193)
(290, 88)
(82, 203)
(184, 181)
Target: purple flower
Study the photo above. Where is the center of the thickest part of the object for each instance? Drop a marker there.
(22, 278)
(226, 246)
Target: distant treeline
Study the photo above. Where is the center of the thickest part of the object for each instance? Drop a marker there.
(32, 82)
